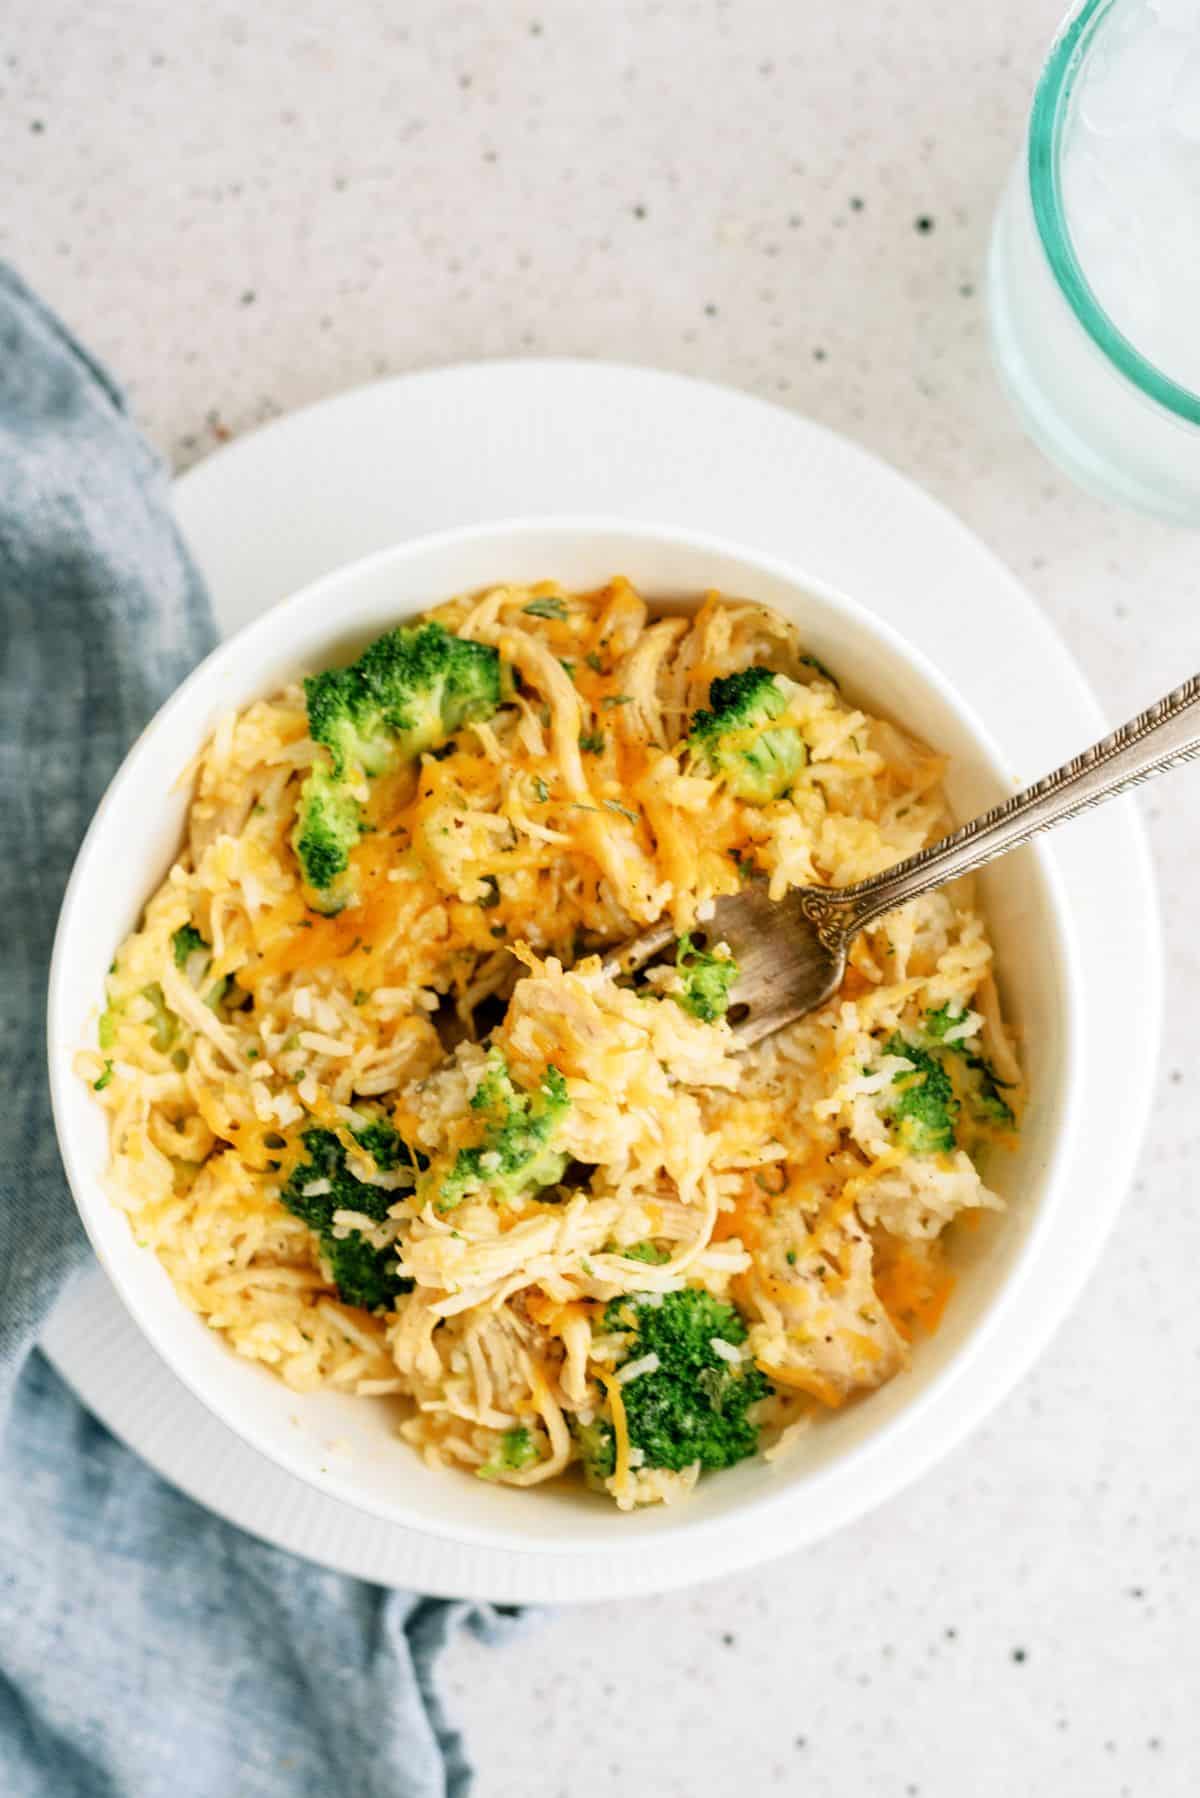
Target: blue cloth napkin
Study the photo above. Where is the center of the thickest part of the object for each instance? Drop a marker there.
(146, 1647)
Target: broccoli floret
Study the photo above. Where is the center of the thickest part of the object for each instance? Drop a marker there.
(734, 738)
(597, 1450)
(706, 981)
(694, 1406)
(649, 1252)
(328, 824)
(185, 942)
(921, 1102)
(363, 1274)
(936, 1023)
(515, 1449)
(984, 1095)
(982, 1086)
(165, 1024)
(515, 1152)
(408, 691)
(384, 1145)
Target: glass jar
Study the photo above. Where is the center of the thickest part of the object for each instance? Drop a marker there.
(1094, 268)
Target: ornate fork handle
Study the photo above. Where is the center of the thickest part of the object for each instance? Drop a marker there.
(1167, 733)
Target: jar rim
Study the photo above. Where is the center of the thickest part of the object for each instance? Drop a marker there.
(1046, 128)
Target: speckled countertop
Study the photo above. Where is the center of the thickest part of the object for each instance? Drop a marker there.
(244, 209)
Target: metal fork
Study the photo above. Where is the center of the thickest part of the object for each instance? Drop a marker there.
(791, 952)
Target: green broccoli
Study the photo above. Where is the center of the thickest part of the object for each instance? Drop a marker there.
(920, 1103)
(385, 1147)
(408, 691)
(515, 1152)
(185, 942)
(165, 1024)
(936, 1023)
(363, 1274)
(597, 1450)
(694, 1406)
(516, 1449)
(706, 981)
(328, 825)
(982, 1085)
(649, 1252)
(734, 739)
(984, 1097)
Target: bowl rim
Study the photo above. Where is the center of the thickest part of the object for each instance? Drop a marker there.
(886, 1438)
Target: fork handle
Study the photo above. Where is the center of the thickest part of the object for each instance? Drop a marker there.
(1167, 733)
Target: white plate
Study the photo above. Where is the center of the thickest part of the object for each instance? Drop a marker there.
(360, 472)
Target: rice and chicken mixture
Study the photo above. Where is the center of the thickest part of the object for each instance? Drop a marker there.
(390, 1127)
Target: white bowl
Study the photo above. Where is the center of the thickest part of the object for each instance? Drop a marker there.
(347, 1447)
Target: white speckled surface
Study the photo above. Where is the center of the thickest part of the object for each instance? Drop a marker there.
(245, 208)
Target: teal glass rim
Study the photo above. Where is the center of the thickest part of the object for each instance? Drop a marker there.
(1046, 125)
